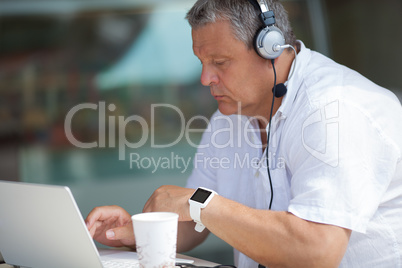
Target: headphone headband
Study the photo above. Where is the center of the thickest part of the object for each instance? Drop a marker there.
(263, 5)
(268, 39)
(267, 16)
(255, 4)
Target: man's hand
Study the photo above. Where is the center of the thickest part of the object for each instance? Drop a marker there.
(170, 198)
(111, 226)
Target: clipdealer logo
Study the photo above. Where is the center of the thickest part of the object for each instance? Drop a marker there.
(234, 134)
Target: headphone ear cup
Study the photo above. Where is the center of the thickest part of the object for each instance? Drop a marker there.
(257, 37)
(266, 39)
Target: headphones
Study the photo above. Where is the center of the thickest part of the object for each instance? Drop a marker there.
(269, 44)
(268, 41)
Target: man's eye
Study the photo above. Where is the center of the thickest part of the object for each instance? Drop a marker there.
(220, 62)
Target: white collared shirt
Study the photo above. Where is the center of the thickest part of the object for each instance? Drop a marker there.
(334, 158)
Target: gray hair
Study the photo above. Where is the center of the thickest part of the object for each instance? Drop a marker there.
(243, 16)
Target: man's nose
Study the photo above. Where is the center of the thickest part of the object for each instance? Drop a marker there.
(208, 76)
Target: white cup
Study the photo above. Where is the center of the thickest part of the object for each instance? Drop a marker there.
(156, 238)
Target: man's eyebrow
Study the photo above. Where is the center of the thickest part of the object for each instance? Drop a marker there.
(215, 56)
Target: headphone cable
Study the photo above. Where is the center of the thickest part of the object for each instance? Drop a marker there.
(270, 117)
(269, 134)
(292, 67)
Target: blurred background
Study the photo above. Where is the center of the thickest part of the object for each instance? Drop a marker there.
(79, 76)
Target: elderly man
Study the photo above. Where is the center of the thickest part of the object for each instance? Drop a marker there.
(312, 150)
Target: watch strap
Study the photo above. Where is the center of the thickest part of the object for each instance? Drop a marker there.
(199, 227)
(195, 212)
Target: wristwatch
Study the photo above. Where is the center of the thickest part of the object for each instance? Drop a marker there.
(200, 199)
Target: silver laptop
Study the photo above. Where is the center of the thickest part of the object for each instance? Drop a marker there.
(41, 226)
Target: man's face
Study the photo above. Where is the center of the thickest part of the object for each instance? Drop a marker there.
(234, 73)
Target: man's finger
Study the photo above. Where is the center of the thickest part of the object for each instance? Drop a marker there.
(93, 228)
(101, 214)
(125, 232)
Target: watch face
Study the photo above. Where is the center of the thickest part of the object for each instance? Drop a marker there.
(201, 195)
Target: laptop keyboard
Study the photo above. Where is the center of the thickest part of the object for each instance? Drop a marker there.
(120, 264)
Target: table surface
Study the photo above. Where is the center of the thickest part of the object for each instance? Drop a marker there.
(198, 262)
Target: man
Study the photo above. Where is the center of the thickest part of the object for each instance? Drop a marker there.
(334, 155)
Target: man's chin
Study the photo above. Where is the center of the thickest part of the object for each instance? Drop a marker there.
(228, 110)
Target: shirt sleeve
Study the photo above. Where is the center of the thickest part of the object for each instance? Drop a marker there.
(341, 166)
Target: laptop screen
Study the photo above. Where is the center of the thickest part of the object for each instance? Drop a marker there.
(41, 226)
